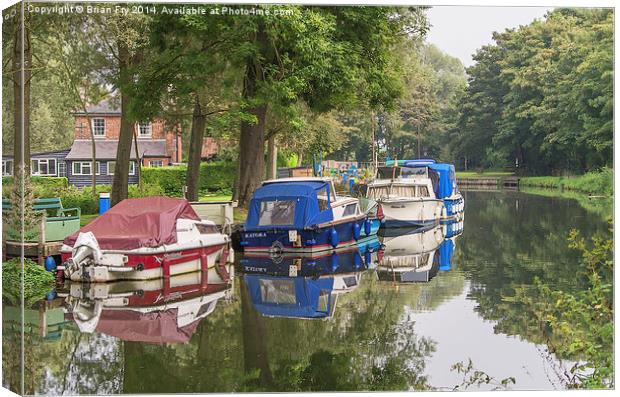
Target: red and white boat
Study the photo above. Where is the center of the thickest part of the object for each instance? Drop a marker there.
(142, 239)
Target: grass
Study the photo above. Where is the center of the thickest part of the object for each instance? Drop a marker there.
(599, 183)
(489, 174)
(215, 197)
(86, 219)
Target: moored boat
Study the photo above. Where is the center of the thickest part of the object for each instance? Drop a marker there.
(416, 193)
(141, 239)
(302, 215)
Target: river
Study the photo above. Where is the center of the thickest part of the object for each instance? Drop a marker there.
(375, 333)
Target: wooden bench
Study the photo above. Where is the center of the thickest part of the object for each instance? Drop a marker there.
(58, 222)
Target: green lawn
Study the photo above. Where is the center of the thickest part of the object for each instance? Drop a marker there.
(86, 219)
(474, 174)
(215, 197)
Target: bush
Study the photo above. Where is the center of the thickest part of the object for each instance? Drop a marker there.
(41, 184)
(215, 177)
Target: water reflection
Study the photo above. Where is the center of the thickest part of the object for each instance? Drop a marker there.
(305, 286)
(417, 255)
(154, 311)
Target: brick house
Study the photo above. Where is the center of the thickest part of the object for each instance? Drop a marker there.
(159, 145)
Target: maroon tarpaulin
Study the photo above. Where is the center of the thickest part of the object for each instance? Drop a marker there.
(154, 327)
(136, 223)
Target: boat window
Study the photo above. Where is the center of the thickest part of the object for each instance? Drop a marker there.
(323, 304)
(277, 213)
(378, 192)
(415, 171)
(280, 292)
(206, 229)
(403, 191)
(321, 196)
(350, 210)
(423, 191)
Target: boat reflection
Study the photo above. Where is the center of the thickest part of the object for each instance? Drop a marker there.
(153, 311)
(303, 285)
(417, 255)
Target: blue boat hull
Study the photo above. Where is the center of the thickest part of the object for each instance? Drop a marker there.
(312, 240)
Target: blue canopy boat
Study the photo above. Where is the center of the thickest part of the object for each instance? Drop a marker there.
(302, 215)
(417, 192)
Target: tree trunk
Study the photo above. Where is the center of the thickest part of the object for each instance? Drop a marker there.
(93, 151)
(120, 184)
(195, 151)
(272, 157)
(21, 64)
(300, 159)
(138, 159)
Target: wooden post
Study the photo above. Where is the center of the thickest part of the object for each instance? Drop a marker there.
(41, 250)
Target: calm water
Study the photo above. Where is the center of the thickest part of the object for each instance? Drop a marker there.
(346, 322)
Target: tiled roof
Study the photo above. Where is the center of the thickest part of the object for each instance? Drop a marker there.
(106, 149)
(110, 106)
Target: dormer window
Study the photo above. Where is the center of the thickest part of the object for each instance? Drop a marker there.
(145, 130)
(99, 127)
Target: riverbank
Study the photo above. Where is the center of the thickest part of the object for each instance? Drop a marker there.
(594, 183)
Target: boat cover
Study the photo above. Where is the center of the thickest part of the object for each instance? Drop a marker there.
(153, 327)
(140, 222)
(290, 297)
(447, 179)
(303, 209)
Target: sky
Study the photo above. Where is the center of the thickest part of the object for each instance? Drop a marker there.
(460, 30)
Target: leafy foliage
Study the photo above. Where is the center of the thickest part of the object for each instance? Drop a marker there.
(542, 95)
(214, 177)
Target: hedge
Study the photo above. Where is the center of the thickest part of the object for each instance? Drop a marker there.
(214, 177)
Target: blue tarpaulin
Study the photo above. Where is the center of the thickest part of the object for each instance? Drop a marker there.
(291, 296)
(288, 205)
(447, 179)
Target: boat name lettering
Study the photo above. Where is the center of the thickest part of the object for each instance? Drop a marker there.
(255, 235)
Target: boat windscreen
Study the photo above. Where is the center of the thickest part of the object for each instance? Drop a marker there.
(407, 172)
(277, 212)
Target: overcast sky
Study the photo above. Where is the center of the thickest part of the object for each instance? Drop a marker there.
(460, 30)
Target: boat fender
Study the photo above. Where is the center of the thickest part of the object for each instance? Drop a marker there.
(333, 238)
(357, 262)
(368, 257)
(357, 231)
(334, 262)
(367, 226)
(50, 264)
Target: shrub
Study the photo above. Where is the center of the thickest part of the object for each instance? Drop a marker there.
(214, 177)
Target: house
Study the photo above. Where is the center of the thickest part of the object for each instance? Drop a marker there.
(158, 145)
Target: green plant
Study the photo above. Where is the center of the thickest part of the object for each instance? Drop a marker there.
(215, 176)
(37, 281)
(579, 325)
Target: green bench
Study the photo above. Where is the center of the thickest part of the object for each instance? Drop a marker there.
(60, 222)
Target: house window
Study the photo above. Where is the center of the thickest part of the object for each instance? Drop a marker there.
(85, 168)
(43, 167)
(112, 167)
(144, 130)
(99, 127)
(7, 167)
(156, 163)
(62, 168)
